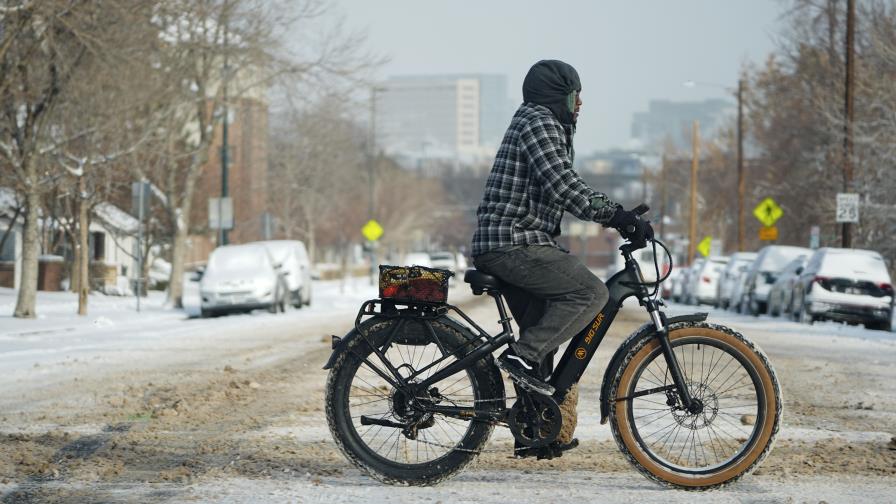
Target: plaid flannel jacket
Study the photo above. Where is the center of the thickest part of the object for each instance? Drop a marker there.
(531, 184)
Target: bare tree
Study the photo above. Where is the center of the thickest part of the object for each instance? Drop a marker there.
(39, 59)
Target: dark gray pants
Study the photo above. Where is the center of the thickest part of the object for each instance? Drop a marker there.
(551, 294)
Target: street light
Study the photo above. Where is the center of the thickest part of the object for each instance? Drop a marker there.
(741, 187)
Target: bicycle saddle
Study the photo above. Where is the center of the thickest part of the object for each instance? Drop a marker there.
(481, 282)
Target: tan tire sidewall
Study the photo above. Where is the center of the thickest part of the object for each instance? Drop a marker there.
(728, 473)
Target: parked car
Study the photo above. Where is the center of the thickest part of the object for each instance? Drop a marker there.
(676, 284)
(462, 264)
(780, 296)
(292, 259)
(704, 284)
(687, 293)
(737, 292)
(240, 278)
(849, 285)
(417, 259)
(669, 284)
(737, 265)
(443, 260)
(763, 273)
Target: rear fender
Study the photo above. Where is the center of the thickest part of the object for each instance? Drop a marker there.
(645, 331)
(339, 344)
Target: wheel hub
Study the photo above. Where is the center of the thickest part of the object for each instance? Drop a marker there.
(701, 412)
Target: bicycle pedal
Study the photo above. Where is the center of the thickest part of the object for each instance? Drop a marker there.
(552, 451)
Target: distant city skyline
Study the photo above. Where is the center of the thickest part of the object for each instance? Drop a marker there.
(626, 53)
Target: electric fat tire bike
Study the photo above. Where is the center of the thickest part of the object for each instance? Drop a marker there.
(413, 393)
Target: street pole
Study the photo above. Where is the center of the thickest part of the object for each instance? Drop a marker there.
(370, 189)
(741, 184)
(695, 162)
(224, 148)
(140, 216)
(663, 197)
(849, 113)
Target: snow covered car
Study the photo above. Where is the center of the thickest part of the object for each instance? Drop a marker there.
(292, 259)
(669, 286)
(241, 278)
(417, 259)
(849, 285)
(704, 283)
(690, 276)
(443, 260)
(738, 263)
(780, 296)
(763, 273)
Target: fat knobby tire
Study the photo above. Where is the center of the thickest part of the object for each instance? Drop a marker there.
(740, 468)
(484, 376)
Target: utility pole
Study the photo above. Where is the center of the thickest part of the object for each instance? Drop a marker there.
(371, 159)
(695, 163)
(849, 112)
(224, 148)
(663, 196)
(741, 184)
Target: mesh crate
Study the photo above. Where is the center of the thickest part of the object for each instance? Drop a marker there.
(414, 284)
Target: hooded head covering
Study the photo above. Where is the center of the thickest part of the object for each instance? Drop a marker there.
(553, 84)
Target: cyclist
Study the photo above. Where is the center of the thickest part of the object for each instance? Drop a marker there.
(551, 294)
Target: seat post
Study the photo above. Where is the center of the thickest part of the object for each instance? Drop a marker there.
(502, 311)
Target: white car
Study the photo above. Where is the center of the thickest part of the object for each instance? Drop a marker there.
(704, 284)
(443, 260)
(780, 298)
(241, 278)
(691, 279)
(849, 285)
(763, 273)
(292, 258)
(737, 265)
(417, 259)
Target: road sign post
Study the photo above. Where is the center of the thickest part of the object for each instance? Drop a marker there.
(705, 246)
(768, 233)
(372, 231)
(847, 207)
(220, 214)
(768, 212)
(814, 237)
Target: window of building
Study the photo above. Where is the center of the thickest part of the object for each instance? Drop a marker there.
(98, 246)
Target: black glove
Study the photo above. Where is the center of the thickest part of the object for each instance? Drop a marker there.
(631, 226)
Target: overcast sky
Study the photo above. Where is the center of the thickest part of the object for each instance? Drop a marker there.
(626, 52)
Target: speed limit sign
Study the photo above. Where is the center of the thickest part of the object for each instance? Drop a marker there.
(847, 207)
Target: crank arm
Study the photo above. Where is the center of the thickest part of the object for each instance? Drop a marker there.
(366, 420)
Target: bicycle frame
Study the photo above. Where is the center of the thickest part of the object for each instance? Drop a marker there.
(581, 349)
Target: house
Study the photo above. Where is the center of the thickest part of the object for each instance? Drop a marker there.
(112, 246)
(11, 220)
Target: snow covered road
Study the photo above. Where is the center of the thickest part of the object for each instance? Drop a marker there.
(120, 407)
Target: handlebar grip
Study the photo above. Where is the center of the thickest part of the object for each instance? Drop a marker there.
(641, 209)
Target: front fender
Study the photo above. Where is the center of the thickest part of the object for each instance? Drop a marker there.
(645, 331)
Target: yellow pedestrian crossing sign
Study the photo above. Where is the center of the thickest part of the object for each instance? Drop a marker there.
(372, 230)
(768, 212)
(704, 246)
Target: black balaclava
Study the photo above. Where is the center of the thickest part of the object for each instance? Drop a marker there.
(553, 84)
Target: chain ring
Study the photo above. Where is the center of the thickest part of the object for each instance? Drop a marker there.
(546, 420)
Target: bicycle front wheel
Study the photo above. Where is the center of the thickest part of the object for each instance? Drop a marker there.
(734, 427)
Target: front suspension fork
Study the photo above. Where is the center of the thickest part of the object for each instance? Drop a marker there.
(662, 331)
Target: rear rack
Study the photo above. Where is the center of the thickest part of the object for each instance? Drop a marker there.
(417, 310)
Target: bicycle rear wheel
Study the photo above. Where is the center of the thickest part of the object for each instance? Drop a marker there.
(359, 401)
(728, 437)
